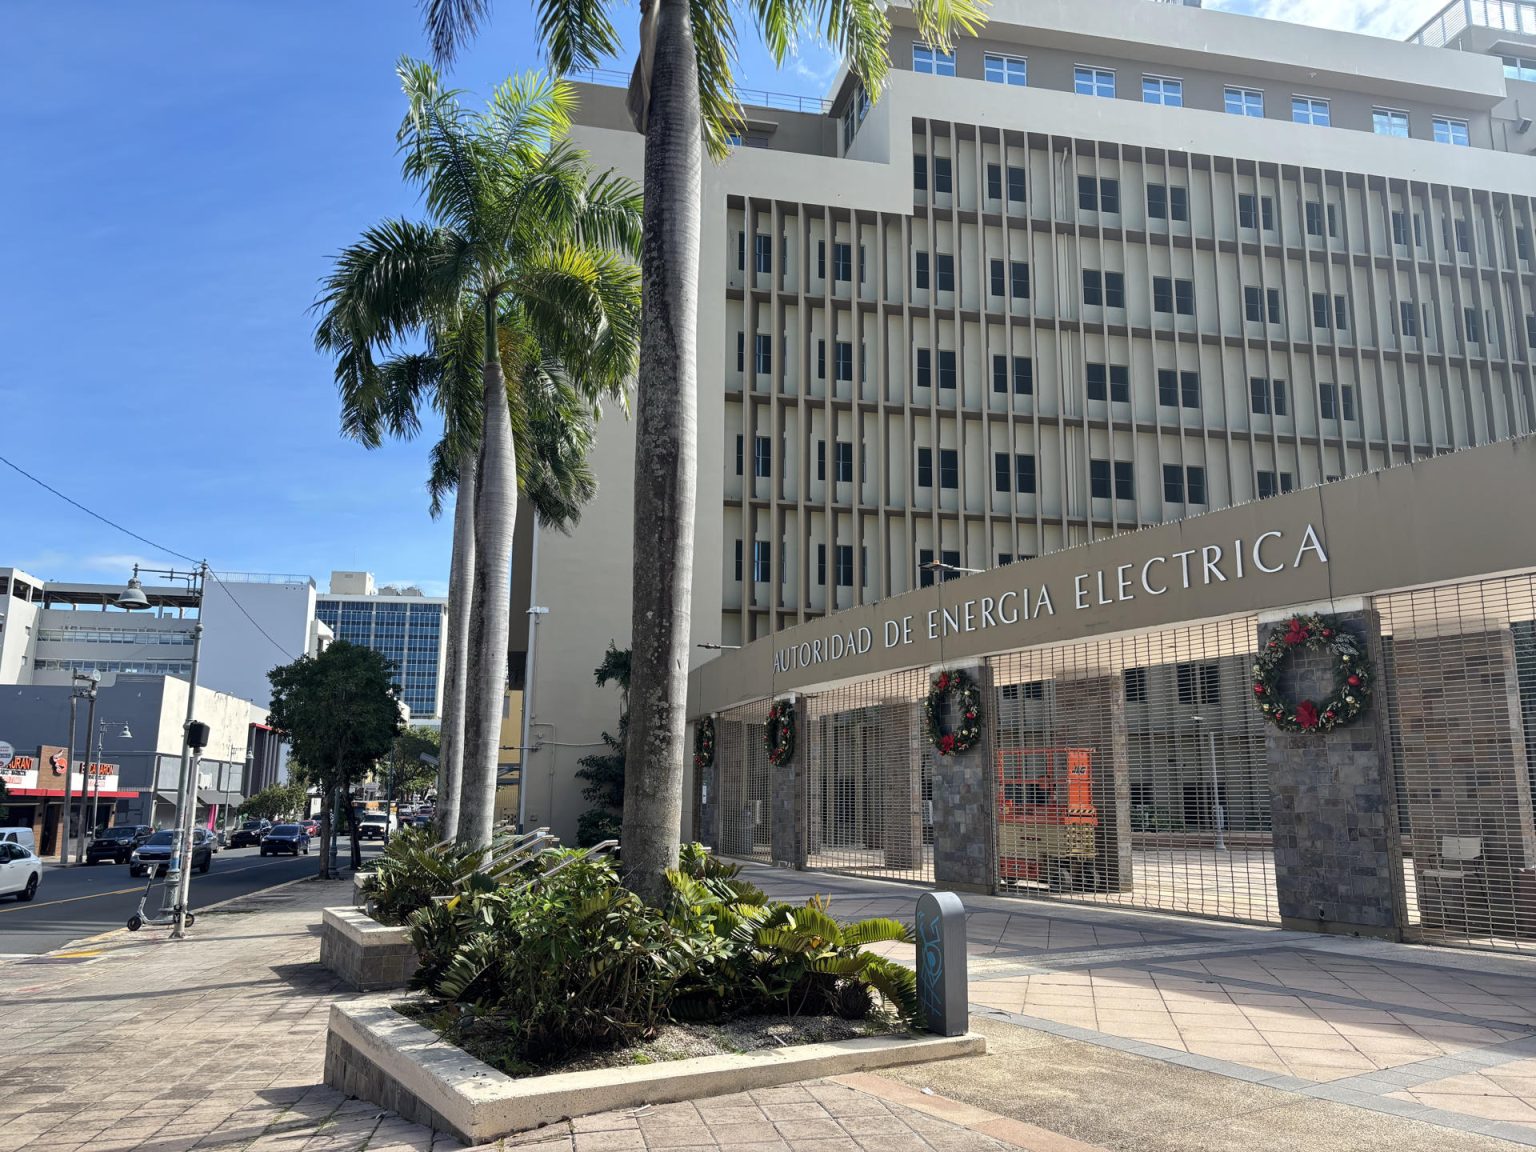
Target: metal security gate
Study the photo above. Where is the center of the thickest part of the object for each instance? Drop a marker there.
(1459, 680)
(1132, 771)
(745, 784)
(868, 782)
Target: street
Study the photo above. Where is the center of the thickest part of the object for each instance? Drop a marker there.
(76, 902)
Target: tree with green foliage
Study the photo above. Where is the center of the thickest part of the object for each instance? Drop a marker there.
(407, 773)
(604, 771)
(278, 801)
(682, 98)
(341, 713)
(522, 271)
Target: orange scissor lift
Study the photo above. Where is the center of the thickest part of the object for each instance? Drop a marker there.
(1046, 818)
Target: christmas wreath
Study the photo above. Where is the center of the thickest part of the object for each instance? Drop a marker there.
(779, 732)
(967, 732)
(704, 743)
(1352, 674)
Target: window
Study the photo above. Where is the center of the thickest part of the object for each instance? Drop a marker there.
(1136, 685)
(1015, 183)
(821, 563)
(924, 377)
(845, 565)
(1024, 475)
(1522, 244)
(1198, 683)
(925, 468)
(1100, 473)
(1325, 317)
(1471, 327)
(999, 69)
(762, 561)
(762, 253)
(1002, 469)
(919, 172)
(946, 368)
(946, 273)
(920, 272)
(1329, 397)
(1253, 211)
(1272, 483)
(762, 450)
(1315, 216)
(740, 456)
(1245, 102)
(762, 352)
(843, 351)
(842, 261)
(1389, 122)
(1105, 288)
(1452, 132)
(1109, 382)
(949, 468)
(934, 61)
(943, 179)
(1530, 330)
(741, 351)
(821, 259)
(1125, 481)
(1408, 319)
(1183, 485)
(1178, 389)
(1023, 374)
(1255, 300)
(1268, 396)
(821, 459)
(1400, 229)
(1093, 81)
(741, 251)
(998, 283)
(1018, 279)
(1195, 485)
(1520, 68)
(924, 572)
(1162, 90)
(1170, 295)
(1099, 483)
(1098, 195)
(842, 460)
(994, 181)
(1164, 203)
(738, 561)
(1306, 110)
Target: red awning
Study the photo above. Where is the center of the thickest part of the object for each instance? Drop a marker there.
(38, 792)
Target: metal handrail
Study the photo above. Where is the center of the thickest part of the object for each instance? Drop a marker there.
(1458, 15)
(584, 854)
(750, 97)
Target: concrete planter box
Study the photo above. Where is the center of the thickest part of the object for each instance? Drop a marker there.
(364, 953)
(374, 1053)
(360, 881)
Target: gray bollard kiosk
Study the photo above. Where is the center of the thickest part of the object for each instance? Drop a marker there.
(941, 964)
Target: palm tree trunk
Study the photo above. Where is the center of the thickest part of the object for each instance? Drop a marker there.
(461, 584)
(665, 459)
(491, 606)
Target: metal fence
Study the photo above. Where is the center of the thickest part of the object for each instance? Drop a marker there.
(746, 795)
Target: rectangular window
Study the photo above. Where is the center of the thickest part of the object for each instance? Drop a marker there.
(1093, 286)
(1000, 374)
(842, 459)
(1272, 484)
(1106, 288)
(1093, 81)
(949, 468)
(1173, 484)
(946, 368)
(994, 181)
(946, 276)
(925, 468)
(842, 261)
(1024, 474)
(738, 561)
(1100, 484)
(1245, 102)
(1259, 301)
(821, 459)
(1268, 396)
(1136, 685)
(1308, 110)
(741, 351)
(821, 359)
(762, 352)
(1109, 195)
(1108, 382)
(1472, 326)
(741, 251)
(845, 565)
(999, 69)
(1408, 319)
(1314, 213)
(1088, 193)
(1002, 471)
(1125, 481)
(1452, 132)
(821, 259)
(1530, 330)
(919, 172)
(762, 561)
(1016, 181)
(943, 178)
(1389, 122)
(1326, 314)
(1198, 683)
(1167, 388)
(762, 459)
(1157, 201)
(1522, 244)
(1018, 279)
(762, 253)
(1023, 376)
(1170, 295)
(1400, 229)
(1162, 294)
(740, 454)
(1463, 236)
(843, 350)
(821, 563)
(924, 377)
(934, 61)
(1335, 403)
(1162, 90)
(998, 284)
(1520, 68)
(924, 571)
(920, 272)
(1195, 484)
(949, 560)
(1252, 211)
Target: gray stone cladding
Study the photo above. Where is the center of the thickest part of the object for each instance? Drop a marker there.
(964, 804)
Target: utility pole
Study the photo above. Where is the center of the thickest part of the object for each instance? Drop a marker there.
(92, 679)
(85, 772)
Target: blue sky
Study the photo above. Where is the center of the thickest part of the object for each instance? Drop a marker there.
(177, 175)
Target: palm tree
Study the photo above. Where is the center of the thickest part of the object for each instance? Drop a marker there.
(681, 97)
(521, 275)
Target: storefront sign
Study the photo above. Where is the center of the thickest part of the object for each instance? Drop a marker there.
(7, 754)
(19, 772)
(1267, 554)
(45, 772)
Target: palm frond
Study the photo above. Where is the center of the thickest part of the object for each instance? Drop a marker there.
(576, 33)
(440, 150)
(714, 39)
(526, 113)
(451, 24)
(876, 930)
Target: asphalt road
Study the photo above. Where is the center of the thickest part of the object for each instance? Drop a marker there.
(76, 902)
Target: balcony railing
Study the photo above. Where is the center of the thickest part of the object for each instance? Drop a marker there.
(751, 97)
(1459, 15)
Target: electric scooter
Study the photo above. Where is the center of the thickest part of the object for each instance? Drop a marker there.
(167, 915)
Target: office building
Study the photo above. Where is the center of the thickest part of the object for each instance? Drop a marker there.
(408, 628)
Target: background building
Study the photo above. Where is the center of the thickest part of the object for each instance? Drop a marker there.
(1112, 264)
(408, 628)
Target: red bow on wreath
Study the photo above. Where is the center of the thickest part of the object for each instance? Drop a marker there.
(1298, 633)
(1306, 714)
(947, 742)
(942, 683)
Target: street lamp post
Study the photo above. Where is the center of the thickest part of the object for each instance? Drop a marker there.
(101, 731)
(194, 737)
(91, 679)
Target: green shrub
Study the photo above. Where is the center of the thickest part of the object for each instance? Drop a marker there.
(413, 869)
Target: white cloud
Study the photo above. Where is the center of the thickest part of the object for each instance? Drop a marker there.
(1394, 19)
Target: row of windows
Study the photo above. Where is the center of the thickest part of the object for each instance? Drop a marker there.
(112, 636)
(1168, 91)
(143, 667)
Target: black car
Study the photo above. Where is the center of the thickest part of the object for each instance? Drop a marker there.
(285, 838)
(116, 843)
(156, 853)
(250, 833)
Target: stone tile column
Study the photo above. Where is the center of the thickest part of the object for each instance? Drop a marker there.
(790, 807)
(1332, 802)
(1090, 713)
(964, 844)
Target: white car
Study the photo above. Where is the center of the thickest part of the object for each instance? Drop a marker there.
(20, 872)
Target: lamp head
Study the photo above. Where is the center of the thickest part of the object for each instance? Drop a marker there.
(133, 597)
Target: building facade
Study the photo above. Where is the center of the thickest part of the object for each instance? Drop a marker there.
(1108, 265)
(406, 627)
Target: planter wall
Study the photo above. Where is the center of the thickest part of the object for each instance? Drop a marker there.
(364, 953)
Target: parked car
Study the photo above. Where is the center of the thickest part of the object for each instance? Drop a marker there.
(156, 853)
(421, 820)
(311, 827)
(19, 835)
(285, 838)
(250, 833)
(116, 843)
(20, 871)
(218, 837)
(373, 826)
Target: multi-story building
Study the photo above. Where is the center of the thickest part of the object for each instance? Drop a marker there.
(408, 628)
(1110, 263)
